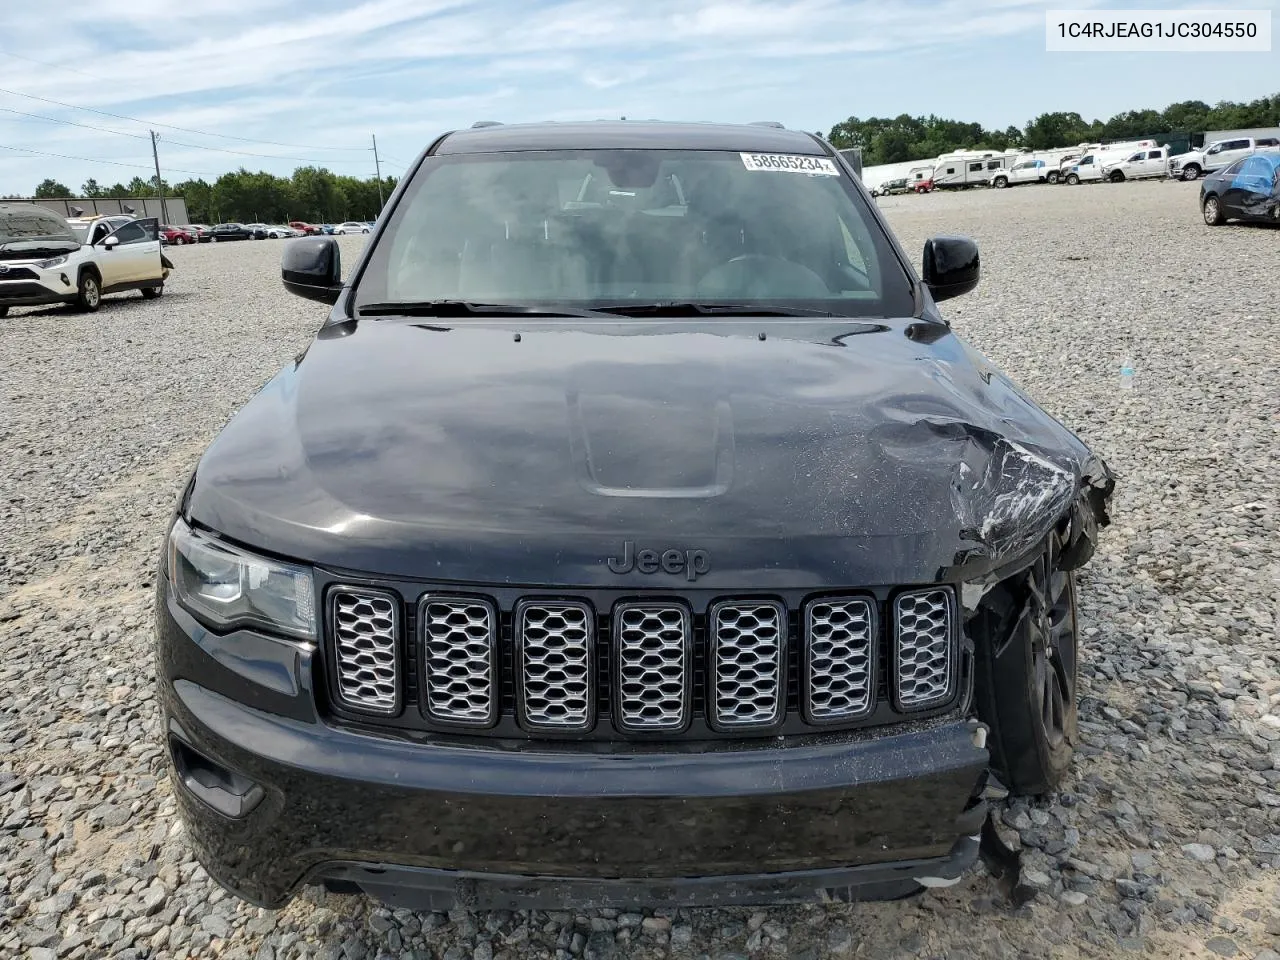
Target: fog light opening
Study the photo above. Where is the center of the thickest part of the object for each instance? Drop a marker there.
(217, 787)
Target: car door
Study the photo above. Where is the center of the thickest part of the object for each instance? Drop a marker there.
(113, 266)
(1225, 180)
(1249, 191)
(1233, 150)
(148, 250)
(132, 248)
(1154, 165)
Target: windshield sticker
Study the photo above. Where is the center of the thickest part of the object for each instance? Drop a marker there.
(786, 163)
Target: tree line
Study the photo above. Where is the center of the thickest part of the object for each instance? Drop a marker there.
(318, 195)
(903, 138)
(313, 194)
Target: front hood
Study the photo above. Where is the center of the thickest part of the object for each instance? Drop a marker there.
(812, 455)
(24, 251)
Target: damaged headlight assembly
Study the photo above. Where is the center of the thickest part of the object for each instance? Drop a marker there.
(231, 587)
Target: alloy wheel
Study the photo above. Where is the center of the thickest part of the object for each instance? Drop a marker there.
(1052, 625)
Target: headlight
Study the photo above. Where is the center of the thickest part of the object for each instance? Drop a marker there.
(233, 587)
(52, 262)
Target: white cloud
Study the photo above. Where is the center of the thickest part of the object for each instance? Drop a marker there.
(328, 73)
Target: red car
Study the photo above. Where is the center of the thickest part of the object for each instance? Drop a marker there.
(924, 186)
(172, 234)
(308, 228)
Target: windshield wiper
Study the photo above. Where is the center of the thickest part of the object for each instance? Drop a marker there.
(676, 308)
(466, 308)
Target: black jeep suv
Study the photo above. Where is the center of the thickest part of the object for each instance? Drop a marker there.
(634, 529)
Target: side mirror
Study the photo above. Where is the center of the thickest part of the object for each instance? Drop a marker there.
(951, 266)
(111, 242)
(312, 268)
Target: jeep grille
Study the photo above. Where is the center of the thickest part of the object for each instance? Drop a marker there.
(458, 661)
(365, 650)
(923, 634)
(839, 664)
(653, 646)
(748, 642)
(554, 663)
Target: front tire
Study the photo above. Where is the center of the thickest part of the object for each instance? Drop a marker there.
(1026, 675)
(1000, 183)
(4, 312)
(88, 293)
(1052, 176)
(150, 293)
(1211, 210)
(1072, 179)
(1117, 177)
(1190, 172)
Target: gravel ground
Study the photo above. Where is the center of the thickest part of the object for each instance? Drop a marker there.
(1165, 841)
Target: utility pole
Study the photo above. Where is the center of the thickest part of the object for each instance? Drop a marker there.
(378, 169)
(164, 211)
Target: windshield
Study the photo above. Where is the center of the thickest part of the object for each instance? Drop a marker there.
(19, 224)
(626, 227)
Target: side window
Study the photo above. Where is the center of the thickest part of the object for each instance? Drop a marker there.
(951, 169)
(1216, 148)
(975, 166)
(131, 233)
(1238, 145)
(1137, 156)
(100, 231)
(1155, 155)
(1234, 168)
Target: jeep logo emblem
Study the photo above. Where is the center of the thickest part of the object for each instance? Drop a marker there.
(692, 563)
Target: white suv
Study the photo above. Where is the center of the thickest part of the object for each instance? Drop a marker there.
(47, 259)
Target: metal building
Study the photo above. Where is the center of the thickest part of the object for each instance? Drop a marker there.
(134, 206)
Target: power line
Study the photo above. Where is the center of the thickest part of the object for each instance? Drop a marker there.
(73, 123)
(56, 66)
(176, 143)
(114, 163)
(170, 126)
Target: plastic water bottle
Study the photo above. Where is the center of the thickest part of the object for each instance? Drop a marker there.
(1126, 374)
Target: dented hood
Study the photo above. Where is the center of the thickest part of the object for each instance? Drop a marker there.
(789, 453)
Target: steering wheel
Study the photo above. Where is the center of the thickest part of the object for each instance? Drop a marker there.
(762, 275)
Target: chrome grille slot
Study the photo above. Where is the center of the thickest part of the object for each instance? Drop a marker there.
(366, 659)
(748, 645)
(839, 666)
(923, 629)
(458, 663)
(652, 649)
(554, 642)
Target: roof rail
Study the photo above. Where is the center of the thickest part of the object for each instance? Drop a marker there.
(767, 123)
(485, 123)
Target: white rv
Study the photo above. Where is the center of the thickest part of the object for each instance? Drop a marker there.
(967, 168)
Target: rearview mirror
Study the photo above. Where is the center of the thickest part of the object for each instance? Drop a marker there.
(312, 268)
(951, 266)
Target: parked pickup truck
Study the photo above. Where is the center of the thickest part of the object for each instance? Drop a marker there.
(1219, 154)
(1025, 171)
(1138, 165)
